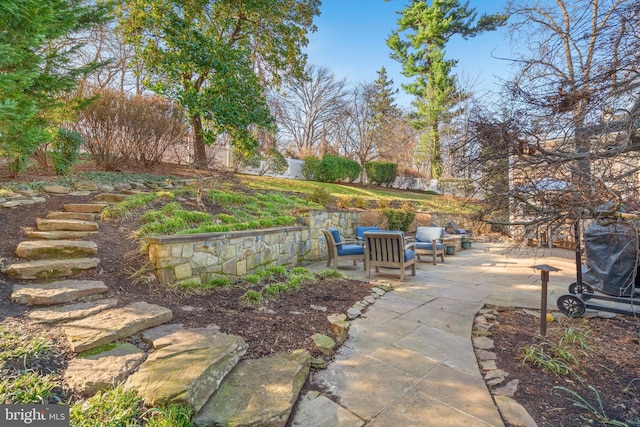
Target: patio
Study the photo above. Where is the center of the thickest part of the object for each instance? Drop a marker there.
(419, 335)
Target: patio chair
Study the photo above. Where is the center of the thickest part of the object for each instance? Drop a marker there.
(339, 248)
(362, 228)
(429, 241)
(388, 249)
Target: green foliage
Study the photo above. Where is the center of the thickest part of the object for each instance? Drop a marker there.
(37, 73)
(330, 169)
(360, 202)
(252, 298)
(328, 274)
(26, 387)
(269, 161)
(277, 269)
(573, 336)
(252, 278)
(596, 410)
(321, 196)
(419, 45)
(124, 208)
(381, 173)
(171, 416)
(274, 290)
(334, 168)
(15, 344)
(557, 360)
(226, 219)
(111, 408)
(64, 150)
(274, 162)
(399, 219)
(206, 57)
(310, 167)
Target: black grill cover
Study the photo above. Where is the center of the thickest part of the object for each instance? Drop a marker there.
(611, 258)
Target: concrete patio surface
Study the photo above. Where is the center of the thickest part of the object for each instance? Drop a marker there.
(409, 360)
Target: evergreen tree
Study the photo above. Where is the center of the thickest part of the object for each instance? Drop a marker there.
(37, 71)
(419, 44)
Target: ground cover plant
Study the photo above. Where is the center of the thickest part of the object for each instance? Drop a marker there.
(282, 318)
(585, 372)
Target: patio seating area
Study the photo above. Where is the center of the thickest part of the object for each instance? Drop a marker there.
(419, 335)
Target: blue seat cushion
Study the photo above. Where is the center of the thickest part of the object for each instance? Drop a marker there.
(350, 250)
(409, 255)
(429, 246)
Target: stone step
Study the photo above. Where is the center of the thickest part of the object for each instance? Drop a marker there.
(65, 224)
(209, 355)
(56, 249)
(50, 268)
(59, 292)
(56, 189)
(111, 325)
(258, 392)
(84, 216)
(68, 312)
(89, 374)
(58, 235)
(110, 197)
(85, 207)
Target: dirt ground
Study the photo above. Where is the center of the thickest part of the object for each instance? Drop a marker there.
(611, 364)
(609, 361)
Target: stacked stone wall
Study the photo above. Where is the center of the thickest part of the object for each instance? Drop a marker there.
(235, 254)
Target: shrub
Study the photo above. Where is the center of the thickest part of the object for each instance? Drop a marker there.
(381, 173)
(399, 219)
(360, 202)
(334, 168)
(321, 196)
(330, 169)
(64, 150)
(120, 129)
(273, 162)
(310, 167)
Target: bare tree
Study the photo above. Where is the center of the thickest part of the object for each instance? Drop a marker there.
(575, 102)
(307, 108)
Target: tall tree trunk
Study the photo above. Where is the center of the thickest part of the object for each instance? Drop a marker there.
(199, 152)
(436, 152)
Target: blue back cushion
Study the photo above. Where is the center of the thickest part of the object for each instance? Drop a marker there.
(361, 229)
(336, 237)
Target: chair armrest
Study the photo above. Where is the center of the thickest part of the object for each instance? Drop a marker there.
(409, 239)
(410, 245)
(352, 242)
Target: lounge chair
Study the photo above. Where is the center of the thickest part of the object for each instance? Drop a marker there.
(388, 249)
(429, 241)
(339, 248)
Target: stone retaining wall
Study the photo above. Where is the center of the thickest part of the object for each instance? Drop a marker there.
(237, 253)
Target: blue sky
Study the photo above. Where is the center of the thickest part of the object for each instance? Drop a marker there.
(351, 41)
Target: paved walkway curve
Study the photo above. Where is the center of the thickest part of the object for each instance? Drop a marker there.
(409, 360)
